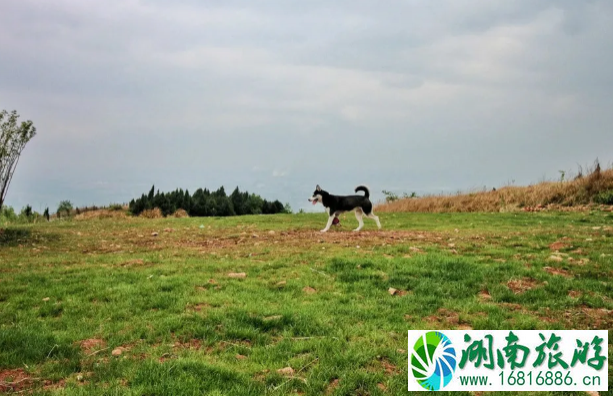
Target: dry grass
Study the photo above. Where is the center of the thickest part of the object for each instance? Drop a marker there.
(181, 213)
(154, 213)
(572, 194)
(102, 214)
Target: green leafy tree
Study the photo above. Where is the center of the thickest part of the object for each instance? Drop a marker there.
(13, 138)
(64, 207)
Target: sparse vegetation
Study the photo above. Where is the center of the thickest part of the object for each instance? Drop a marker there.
(27, 215)
(593, 188)
(392, 197)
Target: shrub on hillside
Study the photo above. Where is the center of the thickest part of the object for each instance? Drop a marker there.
(7, 215)
(604, 197)
(180, 213)
(154, 213)
(65, 208)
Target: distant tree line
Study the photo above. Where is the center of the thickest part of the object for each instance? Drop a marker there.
(206, 203)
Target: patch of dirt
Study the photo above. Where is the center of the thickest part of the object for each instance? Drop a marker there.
(92, 344)
(558, 271)
(511, 306)
(197, 344)
(484, 295)
(518, 286)
(396, 292)
(286, 371)
(198, 307)
(131, 263)
(191, 344)
(584, 317)
(444, 317)
(50, 385)
(464, 327)
(302, 238)
(332, 386)
(165, 357)
(558, 245)
(574, 294)
(598, 317)
(389, 368)
(309, 290)
(580, 262)
(15, 380)
(226, 241)
(261, 375)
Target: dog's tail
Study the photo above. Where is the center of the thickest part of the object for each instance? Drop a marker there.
(363, 188)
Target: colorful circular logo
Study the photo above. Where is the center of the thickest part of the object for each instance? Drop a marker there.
(433, 360)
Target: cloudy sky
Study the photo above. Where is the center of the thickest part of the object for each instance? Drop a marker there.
(276, 95)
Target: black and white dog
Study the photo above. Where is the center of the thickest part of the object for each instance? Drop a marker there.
(337, 204)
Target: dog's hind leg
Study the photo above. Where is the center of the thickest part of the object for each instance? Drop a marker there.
(330, 220)
(371, 215)
(358, 215)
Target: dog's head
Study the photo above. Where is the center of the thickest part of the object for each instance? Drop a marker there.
(317, 195)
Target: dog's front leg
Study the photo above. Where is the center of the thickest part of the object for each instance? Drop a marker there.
(330, 220)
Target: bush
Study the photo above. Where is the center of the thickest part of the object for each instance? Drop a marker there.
(604, 197)
(27, 212)
(27, 215)
(181, 213)
(65, 207)
(8, 215)
(154, 213)
(390, 196)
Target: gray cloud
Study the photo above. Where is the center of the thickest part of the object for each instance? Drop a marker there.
(413, 96)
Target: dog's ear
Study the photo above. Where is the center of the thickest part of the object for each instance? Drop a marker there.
(318, 188)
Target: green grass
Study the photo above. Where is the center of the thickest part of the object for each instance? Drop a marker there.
(187, 328)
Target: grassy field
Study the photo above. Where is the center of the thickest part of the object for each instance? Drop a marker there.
(219, 306)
